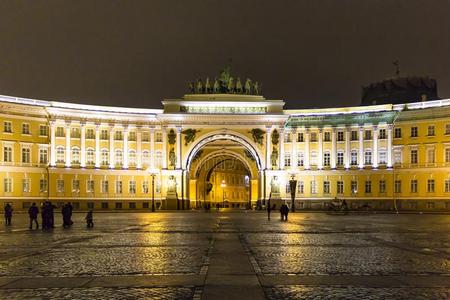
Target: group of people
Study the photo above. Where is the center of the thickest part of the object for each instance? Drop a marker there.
(284, 210)
(47, 213)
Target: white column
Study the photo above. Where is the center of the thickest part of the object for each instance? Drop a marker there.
(281, 160)
(268, 163)
(347, 155)
(361, 147)
(139, 147)
(178, 145)
(112, 163)
(83, 145)
(152, 148)
(52, 143)
(164, 147)
(97, 145)
(389, 146)
(68, 152)
(307, 136)
(320, 160)
(333, 149)
(294, 150)
(125, 148)
(375, 147)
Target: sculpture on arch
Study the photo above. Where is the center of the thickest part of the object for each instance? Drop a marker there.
(258, 135)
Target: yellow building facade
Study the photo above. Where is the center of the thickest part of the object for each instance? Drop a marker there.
(226, 149)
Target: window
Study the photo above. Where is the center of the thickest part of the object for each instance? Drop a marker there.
(43, 156)
(430, 186)
(430, 205)
(382, 157)
(368, 187)
(447, 185)
(26, 185)
(159, 137)
(354, 135)
(75, 186)
(397, 156)
(447, 128)
(25, 128)
(145, 205)
(340, 187)
(301, 187)
(354, 158)
(132, 187)
(118, 157)
(105, 205)
(145, 187)
(118, 135)
(60, 153)
(90, 205)
(300, 159)
(326, 159)
(287, 159)
(287, 137)
(7, 154)
(90, 156)
(414, 131)
(288, 188)
(327, 136)
(368, 157)
(7, 127)
(60, 132)
(326, 187)
(132, 136)
(145, 136)
(60, 186)
(340, 159)
(414, 186)
(104, 134)
(75, 155)
(340, 136)
(397, 133)
(382, 186)
(7, 185)
(132, 157)
(90, 134)
(382, 134)
(105, 157)
(397, 186)
(414, 156)
(118, 205)
(313, 160)
(313, 136)
(105, 186)
(430, 130)
(367, 134)
(118, 187)
(158, 187)
(132, 205)
(90, 186)
(146, 157)
(43, 130)
(43, 185)
(431, 156)
(158, 159)
(447, 155)
(313, 187)
(354, 186)
(25, 155)
(75, 133)
(300, 137)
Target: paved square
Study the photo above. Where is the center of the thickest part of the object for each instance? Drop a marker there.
(229, 255)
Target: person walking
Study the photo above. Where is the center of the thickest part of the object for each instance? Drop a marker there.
(33, 212)
(65, 211)
(8, 214)
(90, 219)
(269, 208)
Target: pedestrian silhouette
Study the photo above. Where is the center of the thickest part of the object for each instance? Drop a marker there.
(8, 214)
(33, 212)
(89, 219)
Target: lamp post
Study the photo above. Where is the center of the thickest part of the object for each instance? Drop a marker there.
(153, 173)
(293, 186)
(223, 185)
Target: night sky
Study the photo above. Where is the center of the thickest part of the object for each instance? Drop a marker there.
(136, 53)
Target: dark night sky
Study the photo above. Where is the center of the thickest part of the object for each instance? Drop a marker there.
(135, 53)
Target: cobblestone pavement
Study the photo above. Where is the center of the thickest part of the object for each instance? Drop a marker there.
(186, 255)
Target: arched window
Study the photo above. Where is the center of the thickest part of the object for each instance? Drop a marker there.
(90, 156)
(118, 157)
(146, 157)
(158, 159)
(132, 157)
(75, 155)
(105, 157)
(60, 154)
(368, 157)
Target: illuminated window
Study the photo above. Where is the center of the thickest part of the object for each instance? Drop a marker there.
(90, 186)
(132, 187)
(75, 185)
(7, 185)
(382, 186)
(414, 186)
(300, 159)
(60, 132)
(104, 134)
(26, 155)
(132, 136)
(25, 128)
(118, 157)
(327, 136)
(158, 137)
(431, 156)
(301, 187)
(145, 136)
(447, 155)
(367, 134)
(326, 159)
(397, 155)
(368, 186)
(414, 131)
(313, 187)
(43, 185)
(75, 155)
(354, 186)
(75, 133)
(43, 130)
(430, 186)
(368, 157)
(105, 157)
(60, 153)
(313, 158)
(313, 136)
(382, 157)
(414, 156)
(354, 158)
(326, 187)
(60, 186)
(118, 135)
(145, 187)
(105, 186)
(340, 136)
(287, 137)
(300, 137)
(90, 156)
(430, 130)
(287, 159)
(354, 135)
(7, 154)
(382, 134)
(118, 187)
(340, 187)
(447, 185)
(397, 133)
(7, 127)
(132, 157)
(397, 186)
(146, 157)
(158, 159)
(447, 128)
(90, 134)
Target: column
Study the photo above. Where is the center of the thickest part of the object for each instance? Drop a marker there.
(281, 160)
(83, 145)
(389, 146)
(97, 146)
(68, 152)
(375, 147)
(347, 155)
(268, 163)
(52, 143)
(333, 149)
(361, 147)
(164, 147)
(307, 133)
(125, 147)
(178, 145)
(139, 147)
(320, 158)
(112, 163)
(152, 148)
(294, 149)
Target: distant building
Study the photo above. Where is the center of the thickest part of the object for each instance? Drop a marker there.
(400, 90)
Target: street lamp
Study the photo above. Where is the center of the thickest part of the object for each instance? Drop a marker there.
(293, 186)
(223, 185)
(153, 173)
